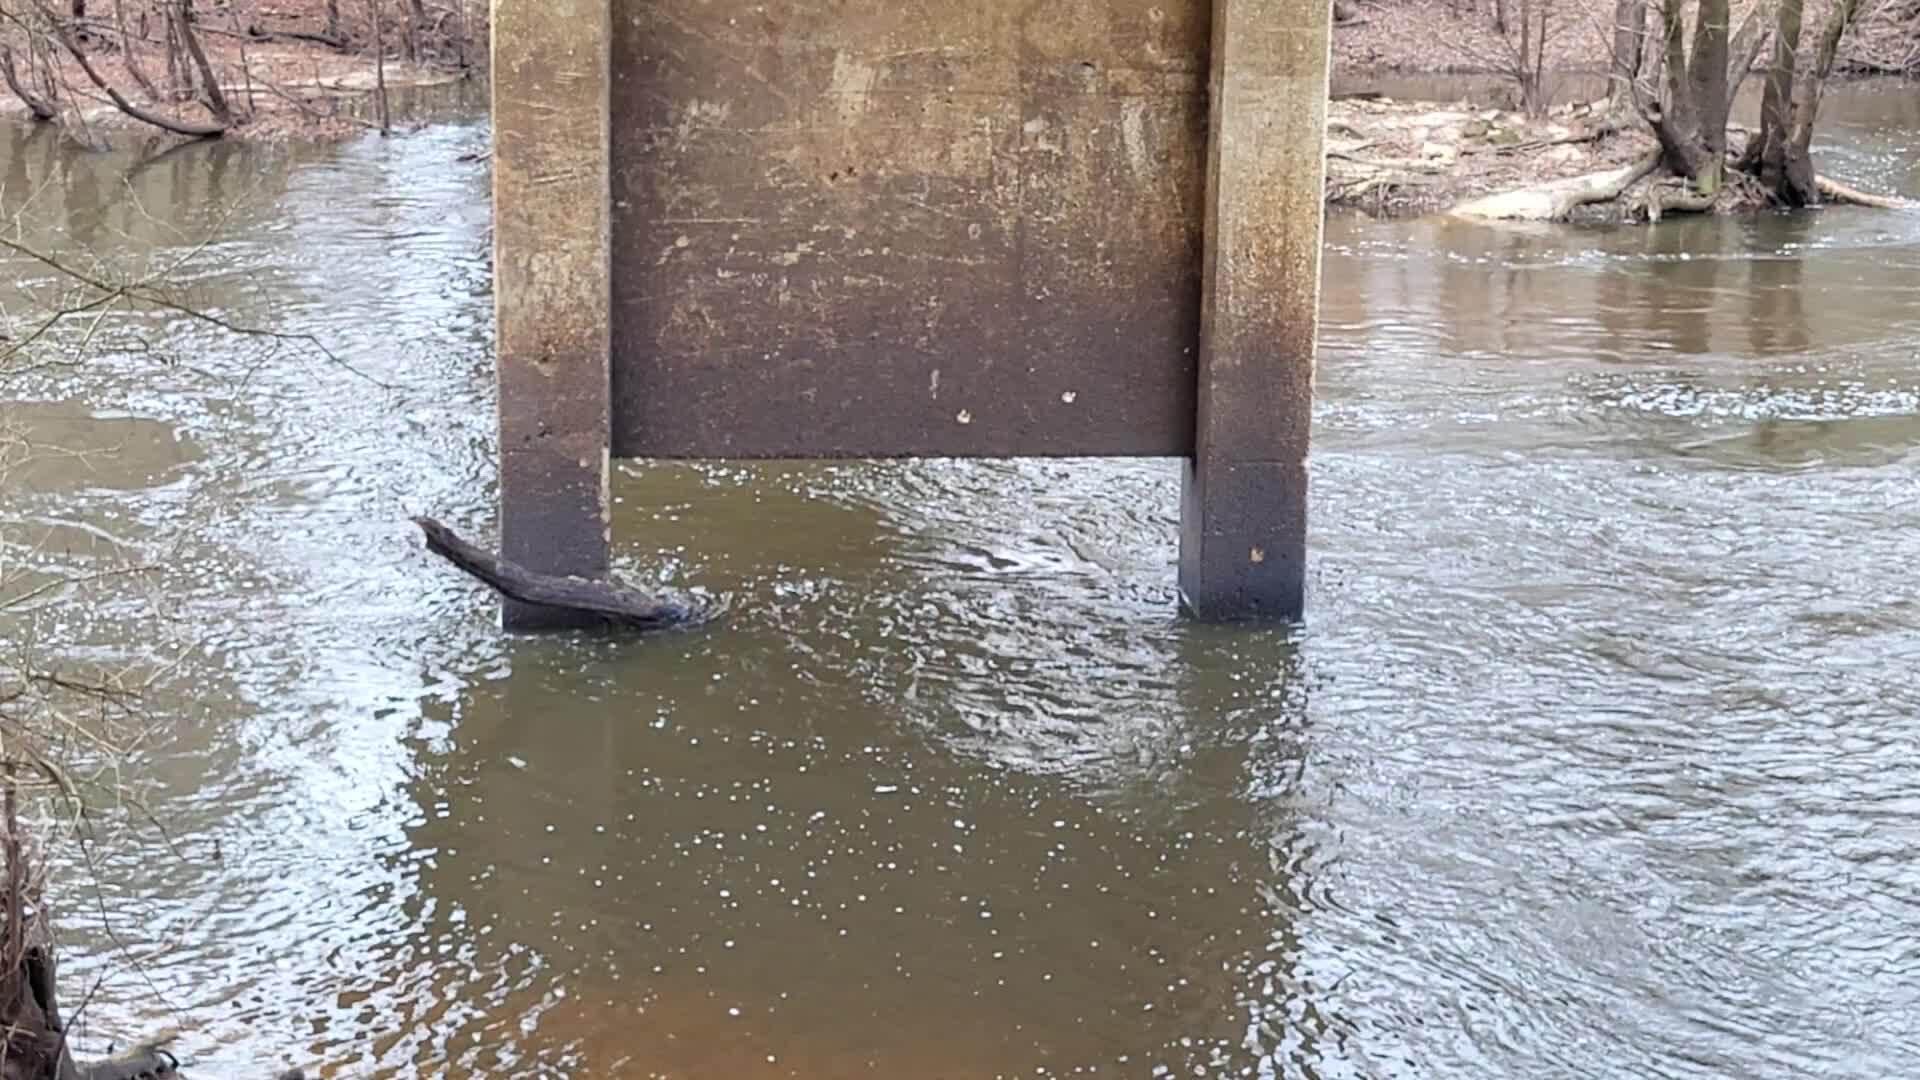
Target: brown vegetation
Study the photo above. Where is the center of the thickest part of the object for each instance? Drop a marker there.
(1392, 158)
(246, 67)
(1401, 36)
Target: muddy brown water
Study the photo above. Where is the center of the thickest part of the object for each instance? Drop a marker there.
(1597, 757)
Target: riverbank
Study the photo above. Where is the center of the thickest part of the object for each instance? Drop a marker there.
(1394, 158)
(306, 69)
(290, 69)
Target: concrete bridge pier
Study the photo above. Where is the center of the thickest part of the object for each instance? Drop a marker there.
(716, 235)
(1243, 506)
(552, 289)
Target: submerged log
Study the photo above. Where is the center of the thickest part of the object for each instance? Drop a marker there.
(1835, 191)
(616, 605)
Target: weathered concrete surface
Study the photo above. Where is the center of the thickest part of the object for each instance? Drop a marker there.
(849, 228)
(551, 292)
(1244, 503)
(890, 227)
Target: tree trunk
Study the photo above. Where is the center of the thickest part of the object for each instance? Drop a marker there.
(1539, 61)
(216, 100)
(1707, 77)
(246, 69)
(1676, 123)
(333, 20)
(1745, 47)
(131, 53)
(416, 26)
(1629, 31)
(196, 131)
(1529, 93)
(1799, 186)
(40, 109)
(380, 67)
(175, 69)
(1771, 146)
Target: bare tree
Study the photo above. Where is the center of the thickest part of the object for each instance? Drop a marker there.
(55, 28)
(1690, 116)
(380, 66)
(1627, 44)
(1516, 48)
(216, 99)
(41, 109)
(416, 26)
(130, 51)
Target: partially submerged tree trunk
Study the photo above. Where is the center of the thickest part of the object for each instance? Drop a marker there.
(1798, 186)
(1770, 148)
(1690, 119)
(615, 605)
(1835, 191)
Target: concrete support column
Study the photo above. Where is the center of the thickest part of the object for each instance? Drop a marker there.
(551, 286)
(1243, 515)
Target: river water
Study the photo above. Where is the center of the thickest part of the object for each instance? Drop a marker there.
(1597, 755)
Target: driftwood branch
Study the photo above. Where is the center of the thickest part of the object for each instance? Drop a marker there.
(1555, 200)
(615, 604)
(1836, 191)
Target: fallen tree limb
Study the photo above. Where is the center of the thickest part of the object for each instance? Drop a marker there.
(1393, 163)
(614, 604)
(1541, 144)
(1841, 193)
(1555, 200)
(178, 127)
